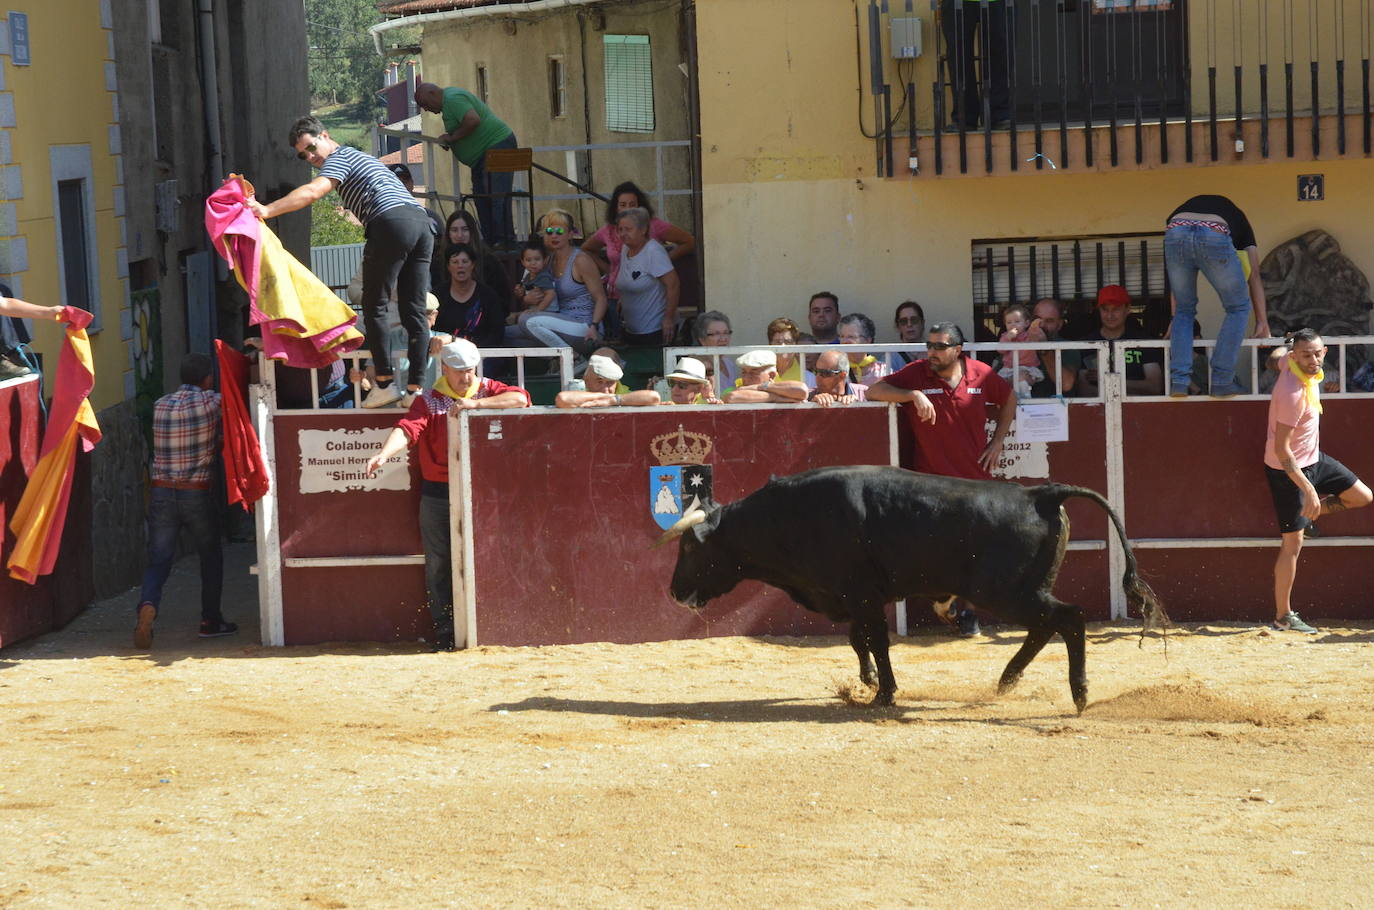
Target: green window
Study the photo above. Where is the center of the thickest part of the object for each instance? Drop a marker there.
(629, 83)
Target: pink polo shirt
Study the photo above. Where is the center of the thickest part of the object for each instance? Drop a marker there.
(1288, 406)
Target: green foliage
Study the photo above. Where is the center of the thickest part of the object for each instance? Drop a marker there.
(329, 226)
(349, 124)
(344, 66)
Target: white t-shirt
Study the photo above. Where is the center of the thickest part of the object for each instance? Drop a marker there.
(642, 295)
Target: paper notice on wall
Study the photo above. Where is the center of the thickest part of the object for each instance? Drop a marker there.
(335, 461)
(1020, 458)
(1042, 421)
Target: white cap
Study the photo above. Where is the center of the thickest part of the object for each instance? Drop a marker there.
(690, 369)
(460, 355)
(431, 303)
(756, 359)
(605, 367)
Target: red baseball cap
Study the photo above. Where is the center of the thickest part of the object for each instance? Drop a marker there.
(1113, 295)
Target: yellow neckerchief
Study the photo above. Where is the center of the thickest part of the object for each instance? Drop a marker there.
(857, 369)
(443, 388)
(1311, 384)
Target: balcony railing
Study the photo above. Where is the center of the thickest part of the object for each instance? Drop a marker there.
(1055, 84)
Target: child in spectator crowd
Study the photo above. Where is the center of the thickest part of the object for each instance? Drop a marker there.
(1021, 368)
(534, 292)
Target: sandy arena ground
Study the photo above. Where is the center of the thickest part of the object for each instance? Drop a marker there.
(721, 773)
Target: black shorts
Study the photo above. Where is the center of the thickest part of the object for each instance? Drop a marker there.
(1329, 476)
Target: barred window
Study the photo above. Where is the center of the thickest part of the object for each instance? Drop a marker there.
(1069, 269)
(629, 83)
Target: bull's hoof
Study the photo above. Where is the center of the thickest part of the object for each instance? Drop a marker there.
(1007, 683)
(884, 699)
(868, 679)
(1080, 701)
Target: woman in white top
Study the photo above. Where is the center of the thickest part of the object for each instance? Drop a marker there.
(647, 284)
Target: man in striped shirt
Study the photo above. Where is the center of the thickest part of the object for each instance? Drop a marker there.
(186, 434)
(400, 241)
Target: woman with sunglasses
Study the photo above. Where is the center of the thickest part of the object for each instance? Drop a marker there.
(461, 228)
(581, 297)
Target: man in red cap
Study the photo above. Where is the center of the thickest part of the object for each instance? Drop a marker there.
(1144, 367)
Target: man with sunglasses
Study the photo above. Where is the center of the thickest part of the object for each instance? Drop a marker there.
(832, 381)
(947, 396)
(400, 240)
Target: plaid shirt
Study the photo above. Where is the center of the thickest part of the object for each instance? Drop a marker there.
(186, 428)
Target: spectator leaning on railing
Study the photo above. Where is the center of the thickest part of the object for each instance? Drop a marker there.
(832, 381)
(426, 424)
(945, 398)
(601, 384)
(758, 382)
(690, 384)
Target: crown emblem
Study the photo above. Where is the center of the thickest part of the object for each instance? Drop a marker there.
(681, 447)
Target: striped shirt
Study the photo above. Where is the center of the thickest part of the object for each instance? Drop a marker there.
(185, 435)
(365, 185)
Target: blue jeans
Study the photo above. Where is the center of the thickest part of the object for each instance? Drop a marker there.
(168, 512)
(434, 536)
(491, 193)
(1187, 251)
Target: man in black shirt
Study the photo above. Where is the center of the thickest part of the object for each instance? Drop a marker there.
(1144, 367)
(1209, 234)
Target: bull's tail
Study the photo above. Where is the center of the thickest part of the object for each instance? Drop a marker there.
(1138, 592)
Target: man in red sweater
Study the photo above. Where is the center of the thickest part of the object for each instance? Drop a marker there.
(426, 423)
(946, 397)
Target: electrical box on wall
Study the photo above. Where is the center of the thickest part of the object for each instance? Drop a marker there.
(906, 38)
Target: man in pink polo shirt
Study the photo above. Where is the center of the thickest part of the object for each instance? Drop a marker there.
(946, 397)
(1304, 482)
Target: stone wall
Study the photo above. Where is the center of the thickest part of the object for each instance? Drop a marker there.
(118, 466)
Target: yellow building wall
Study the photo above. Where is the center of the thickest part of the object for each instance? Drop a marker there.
(791, 205)
(63, 99)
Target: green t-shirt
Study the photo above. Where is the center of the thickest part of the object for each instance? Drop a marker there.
(492, 129)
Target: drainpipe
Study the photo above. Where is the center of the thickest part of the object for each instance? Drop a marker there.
(209, 91)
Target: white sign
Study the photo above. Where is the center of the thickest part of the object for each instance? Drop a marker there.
(335, 461)
(1020, 458)
(1042, 421)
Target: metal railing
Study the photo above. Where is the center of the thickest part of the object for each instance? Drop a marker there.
(548, 159)
(1062, 66)
(354, 360)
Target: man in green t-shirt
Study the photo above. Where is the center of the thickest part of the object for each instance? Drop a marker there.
(470, 129)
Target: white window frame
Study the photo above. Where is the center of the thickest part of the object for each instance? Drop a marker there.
(483, 82)
(558, 88)
(73, 162)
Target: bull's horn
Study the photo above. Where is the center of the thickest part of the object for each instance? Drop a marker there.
(686, 522)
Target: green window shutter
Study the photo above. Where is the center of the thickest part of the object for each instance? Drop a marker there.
(629, 83)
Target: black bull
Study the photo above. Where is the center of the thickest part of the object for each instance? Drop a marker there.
(844, 541)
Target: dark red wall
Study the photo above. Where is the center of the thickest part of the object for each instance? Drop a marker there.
(562, 508)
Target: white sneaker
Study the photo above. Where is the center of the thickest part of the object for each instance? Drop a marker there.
(381, 397)
(409, 398)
